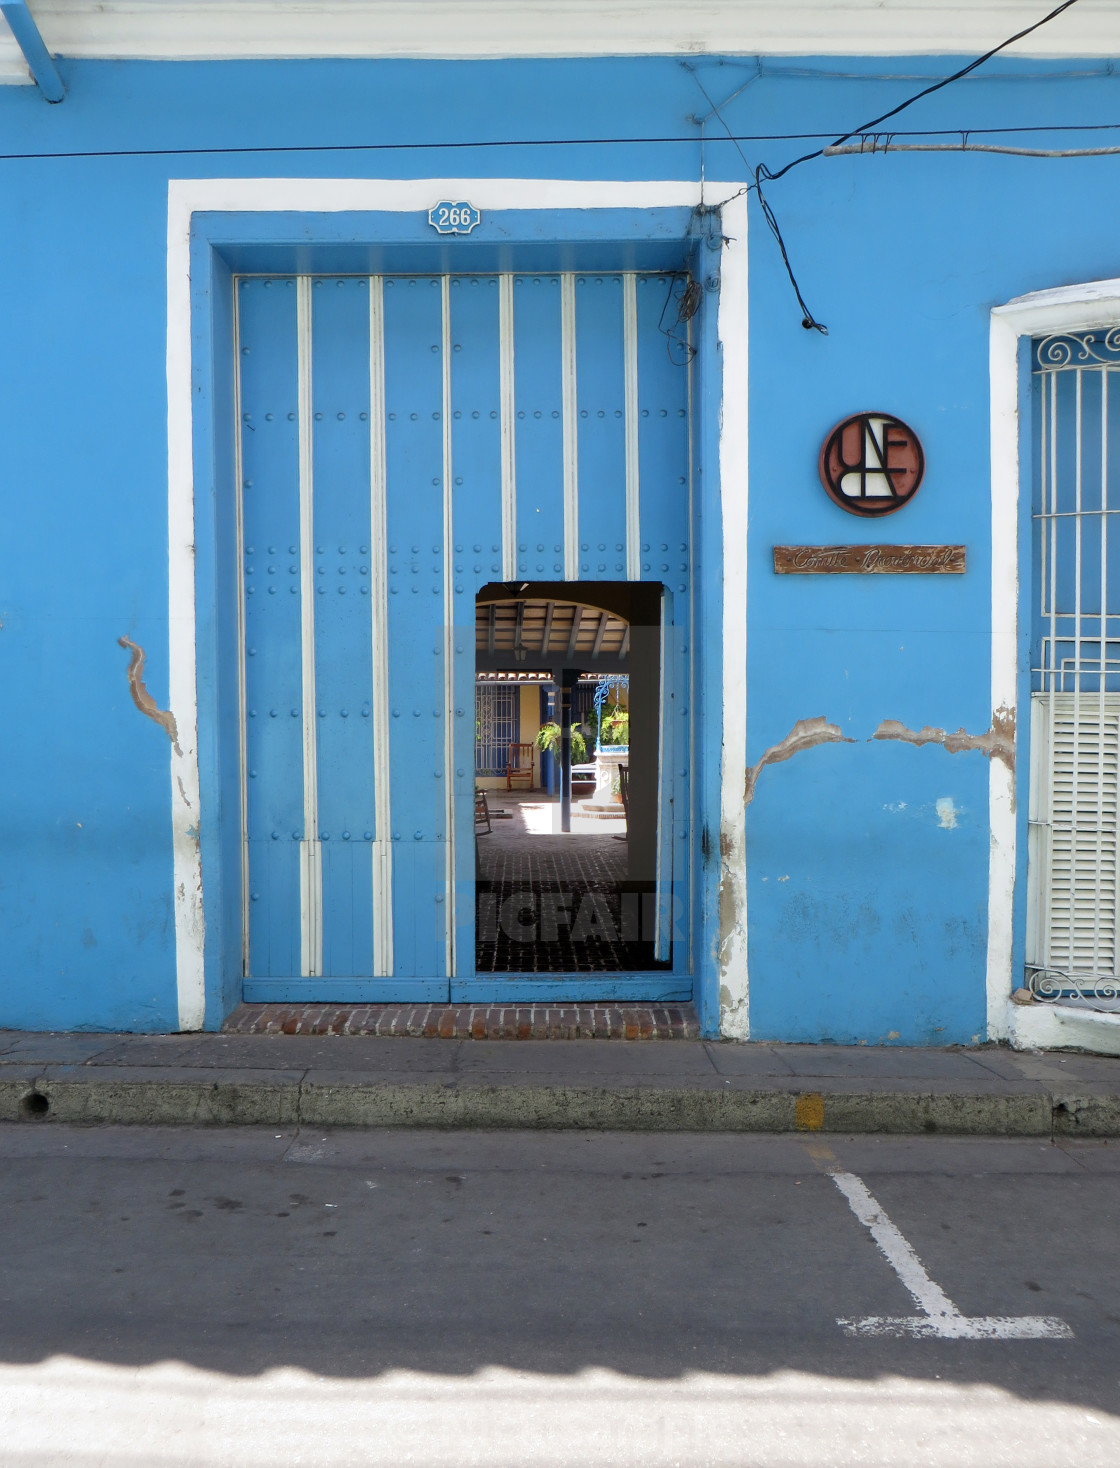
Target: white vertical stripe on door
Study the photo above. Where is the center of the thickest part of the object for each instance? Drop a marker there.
(310, 851)
(379, 578)
(663, 887)
(242, 732)
(571, 436)
(630, 351)
(448, 643)
(509, 458)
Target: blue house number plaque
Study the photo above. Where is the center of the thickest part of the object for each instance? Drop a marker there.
(453, 218)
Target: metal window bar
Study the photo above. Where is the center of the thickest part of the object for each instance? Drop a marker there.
(1074, 943)
(497, 726)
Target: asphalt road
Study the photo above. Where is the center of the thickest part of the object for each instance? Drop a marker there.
(185, 1296)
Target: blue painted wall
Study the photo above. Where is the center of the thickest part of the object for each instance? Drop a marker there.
(867, 909)
(867, 916)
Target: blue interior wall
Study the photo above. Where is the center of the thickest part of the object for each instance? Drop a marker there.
(867, 916)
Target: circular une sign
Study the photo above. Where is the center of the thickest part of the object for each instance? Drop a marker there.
(871, 464)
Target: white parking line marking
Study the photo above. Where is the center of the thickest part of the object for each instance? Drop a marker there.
(939, 1317)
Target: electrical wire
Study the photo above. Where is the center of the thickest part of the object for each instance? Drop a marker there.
(659, 140)
(925, 92)
(808, 320)
(717, 114)
(457, 144)
(886, 144)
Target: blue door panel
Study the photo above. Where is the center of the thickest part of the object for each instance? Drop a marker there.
(419, 908)
(476, 454)
(343, 625)
(270, 519)
(428, 700)
(414, 489)
(663, 444)
(348, 909)
(600, 406)
(538, 397)
(274, 903)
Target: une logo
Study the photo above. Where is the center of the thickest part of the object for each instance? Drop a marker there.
(871, 464)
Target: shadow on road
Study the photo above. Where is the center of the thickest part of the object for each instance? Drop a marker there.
(353, 1254)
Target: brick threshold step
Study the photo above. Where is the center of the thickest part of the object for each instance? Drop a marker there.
(471, 1021)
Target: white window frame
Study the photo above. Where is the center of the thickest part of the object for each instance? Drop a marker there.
(1094, 305)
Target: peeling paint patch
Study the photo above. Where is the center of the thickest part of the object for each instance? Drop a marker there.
(805, 734)
(143, 699)
(946, 813)
(731, 951)
(729, 904)
(998, 742)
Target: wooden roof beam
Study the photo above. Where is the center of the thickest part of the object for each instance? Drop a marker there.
(599, 631)
(577, 614)
(546, 638)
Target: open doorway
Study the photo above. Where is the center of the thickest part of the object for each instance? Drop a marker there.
(569, 698)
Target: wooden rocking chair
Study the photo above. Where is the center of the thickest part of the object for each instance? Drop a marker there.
(516, 768)
(481, 813)
(624, 795)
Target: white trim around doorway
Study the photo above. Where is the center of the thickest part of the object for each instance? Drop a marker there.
(186, 197)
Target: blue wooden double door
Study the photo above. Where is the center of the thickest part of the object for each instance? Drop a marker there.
(404, 441)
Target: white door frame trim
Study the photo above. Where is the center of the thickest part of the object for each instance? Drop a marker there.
(186, 197)
(1069, 308)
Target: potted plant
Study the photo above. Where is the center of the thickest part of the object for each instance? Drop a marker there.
(615, 728)
(548, 740)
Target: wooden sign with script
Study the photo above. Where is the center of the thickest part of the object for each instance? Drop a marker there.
(869, 560)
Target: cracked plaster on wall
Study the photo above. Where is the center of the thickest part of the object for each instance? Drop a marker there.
(998, 742)
(805, 734)
(144, 700)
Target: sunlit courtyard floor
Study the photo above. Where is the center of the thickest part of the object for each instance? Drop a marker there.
(550, 901)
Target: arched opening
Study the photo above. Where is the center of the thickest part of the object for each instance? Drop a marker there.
(567, 689)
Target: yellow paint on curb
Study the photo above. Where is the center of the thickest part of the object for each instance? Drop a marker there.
(808, 1112)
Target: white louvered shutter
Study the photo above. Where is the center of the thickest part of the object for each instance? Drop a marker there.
(1076, 814)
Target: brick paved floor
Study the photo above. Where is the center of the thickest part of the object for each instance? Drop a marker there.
(554, 902)
(471, 1021)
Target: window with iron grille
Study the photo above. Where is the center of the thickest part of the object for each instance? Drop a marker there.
(1073, 946)
(497, 725)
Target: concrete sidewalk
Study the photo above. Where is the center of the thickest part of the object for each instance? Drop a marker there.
(664, 1086)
